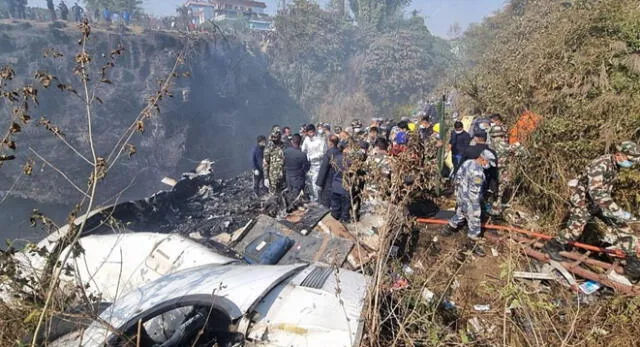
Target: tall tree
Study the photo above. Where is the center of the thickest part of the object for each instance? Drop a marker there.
(132, 6)
(377, 12)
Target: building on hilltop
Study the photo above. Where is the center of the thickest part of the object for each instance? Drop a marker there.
(230, 10)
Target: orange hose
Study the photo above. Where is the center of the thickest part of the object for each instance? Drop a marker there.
(613, 252)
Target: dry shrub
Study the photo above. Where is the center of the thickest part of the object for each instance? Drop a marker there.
(575, 64)
(12, 321)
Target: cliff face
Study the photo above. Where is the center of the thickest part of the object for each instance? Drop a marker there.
(230, 99)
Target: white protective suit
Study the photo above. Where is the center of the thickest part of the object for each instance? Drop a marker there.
(315, 147)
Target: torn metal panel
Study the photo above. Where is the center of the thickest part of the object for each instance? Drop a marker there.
(314, 247)
(306, 219)
(237, 287)
(295, 315)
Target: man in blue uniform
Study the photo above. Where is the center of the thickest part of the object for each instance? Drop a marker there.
(470, 180)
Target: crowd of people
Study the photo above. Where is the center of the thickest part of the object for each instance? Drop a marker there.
(312, 164)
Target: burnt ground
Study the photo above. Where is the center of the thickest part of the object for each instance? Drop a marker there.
(200, 206)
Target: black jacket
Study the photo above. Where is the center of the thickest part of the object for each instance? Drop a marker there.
(459, 142)
(325, 175)
(257, 155)
(296, 166)
(340, 166)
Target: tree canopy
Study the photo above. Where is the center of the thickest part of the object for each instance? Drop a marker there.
(576, 64)
(116, 5)
(383, 62)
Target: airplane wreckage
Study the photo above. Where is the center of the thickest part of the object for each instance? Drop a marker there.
(268, 283)
(200, 264)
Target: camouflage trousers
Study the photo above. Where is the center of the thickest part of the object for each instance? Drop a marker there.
(579, 215)
(465, 212)
(276, 184)
(504, 180)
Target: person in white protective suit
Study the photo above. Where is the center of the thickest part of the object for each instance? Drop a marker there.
(314, 146)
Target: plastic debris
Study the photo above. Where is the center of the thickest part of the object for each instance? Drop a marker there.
(482, 308)
(590, 287)
(494, 252)
(616, 277)
(427, 295)
(400, 283)
(407, 270)
(534, 275)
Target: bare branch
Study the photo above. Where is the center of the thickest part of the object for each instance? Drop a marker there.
(59, 171)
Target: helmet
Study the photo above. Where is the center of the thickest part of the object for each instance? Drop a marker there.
(356, 123)
(630, 149)
(276, 133)
(337, 129)
(497, 131)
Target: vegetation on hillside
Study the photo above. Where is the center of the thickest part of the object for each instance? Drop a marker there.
(115, 5)
(334, 67)
(576, 63)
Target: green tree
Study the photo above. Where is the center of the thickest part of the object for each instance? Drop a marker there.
(395, 69)
(132, 6)
(324, 62)
(377, 12)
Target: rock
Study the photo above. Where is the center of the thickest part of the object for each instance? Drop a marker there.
(208, 125)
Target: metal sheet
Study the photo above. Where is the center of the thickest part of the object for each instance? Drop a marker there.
(293, 315)
(240, 285)
(115, 264)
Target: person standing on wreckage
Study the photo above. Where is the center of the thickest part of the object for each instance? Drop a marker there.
(296, 167)
(593, 189)
(314, 146)
(470, 180)
(273, 164)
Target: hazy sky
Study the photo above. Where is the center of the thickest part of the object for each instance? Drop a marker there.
(440, 14)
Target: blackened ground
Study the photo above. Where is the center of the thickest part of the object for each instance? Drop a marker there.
(198, 204)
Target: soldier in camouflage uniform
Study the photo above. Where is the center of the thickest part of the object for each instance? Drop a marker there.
(593, 189)
(274, 162)
(500, 145)
(357, 130)
(469, 182)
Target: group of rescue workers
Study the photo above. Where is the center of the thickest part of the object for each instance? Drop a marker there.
(311, 164)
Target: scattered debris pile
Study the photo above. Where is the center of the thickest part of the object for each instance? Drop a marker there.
(198, 205)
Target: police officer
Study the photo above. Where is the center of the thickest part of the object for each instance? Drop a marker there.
(469, 185)
(593, 187)
(273, 163)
